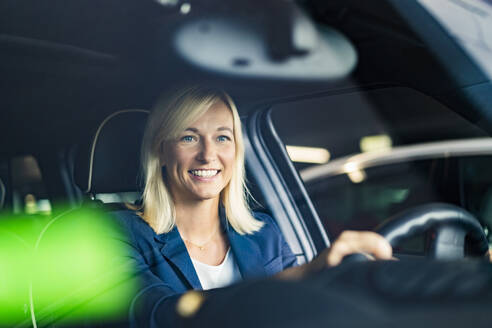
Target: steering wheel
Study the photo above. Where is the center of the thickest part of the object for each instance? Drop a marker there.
(453, 227)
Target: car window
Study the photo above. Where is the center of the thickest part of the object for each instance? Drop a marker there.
(386, 190)
(476, 188)
(119, 197)
(372, 122)
(28, 191)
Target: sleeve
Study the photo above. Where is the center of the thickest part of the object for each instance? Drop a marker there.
(289, 259)
(152, 302)
(89, 269)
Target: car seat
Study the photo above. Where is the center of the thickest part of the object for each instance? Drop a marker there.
(110, 161)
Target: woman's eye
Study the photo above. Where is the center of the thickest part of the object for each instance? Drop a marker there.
(188, 139)
(223, 138)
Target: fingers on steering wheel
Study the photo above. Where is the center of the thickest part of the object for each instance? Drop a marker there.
(489, 254)
(350, 242)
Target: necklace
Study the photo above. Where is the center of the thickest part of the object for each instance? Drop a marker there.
(202, 246)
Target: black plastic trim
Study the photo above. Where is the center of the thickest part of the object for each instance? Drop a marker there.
(278, 180)
(293, 182)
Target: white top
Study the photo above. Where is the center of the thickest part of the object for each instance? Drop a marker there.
(215, 276)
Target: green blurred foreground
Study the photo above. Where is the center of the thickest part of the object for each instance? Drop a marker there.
(75, 265)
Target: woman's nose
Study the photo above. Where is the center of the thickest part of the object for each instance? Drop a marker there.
(207, 151)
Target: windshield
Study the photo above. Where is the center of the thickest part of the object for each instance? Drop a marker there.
(469, 23)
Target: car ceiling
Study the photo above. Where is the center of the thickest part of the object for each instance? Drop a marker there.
(66, 65)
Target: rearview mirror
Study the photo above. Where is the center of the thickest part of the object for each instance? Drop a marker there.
(272, 39)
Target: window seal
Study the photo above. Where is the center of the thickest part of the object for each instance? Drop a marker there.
(279, 180)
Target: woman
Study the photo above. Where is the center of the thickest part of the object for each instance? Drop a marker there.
(195, 229)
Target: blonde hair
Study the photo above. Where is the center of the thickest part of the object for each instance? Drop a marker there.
(167, 120)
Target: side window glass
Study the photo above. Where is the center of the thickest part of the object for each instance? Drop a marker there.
(363, 156)
(119, 197)
(28, 190)
(384, 191)
(476, 187)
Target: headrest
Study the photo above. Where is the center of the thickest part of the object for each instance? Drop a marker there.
(110, 161)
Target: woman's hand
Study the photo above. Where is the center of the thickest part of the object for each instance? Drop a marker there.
(488, 255)
(369, 243)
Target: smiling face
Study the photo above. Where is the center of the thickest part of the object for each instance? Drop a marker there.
(200, 161)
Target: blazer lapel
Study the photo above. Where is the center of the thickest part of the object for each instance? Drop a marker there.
(246, 251)
(175, 251)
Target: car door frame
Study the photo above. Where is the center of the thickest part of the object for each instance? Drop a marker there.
(284, 194)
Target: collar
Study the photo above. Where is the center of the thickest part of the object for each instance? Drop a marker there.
(245, 249)
(174, 250)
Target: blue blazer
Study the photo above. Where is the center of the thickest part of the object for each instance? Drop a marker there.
(165, 271)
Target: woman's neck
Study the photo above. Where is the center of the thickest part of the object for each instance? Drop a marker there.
(198, 220)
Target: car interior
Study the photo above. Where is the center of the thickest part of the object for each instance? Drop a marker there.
(78, 79)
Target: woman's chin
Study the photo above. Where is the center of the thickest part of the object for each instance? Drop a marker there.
(206, 195)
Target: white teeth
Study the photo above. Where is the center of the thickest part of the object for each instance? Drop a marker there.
(204, 173)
